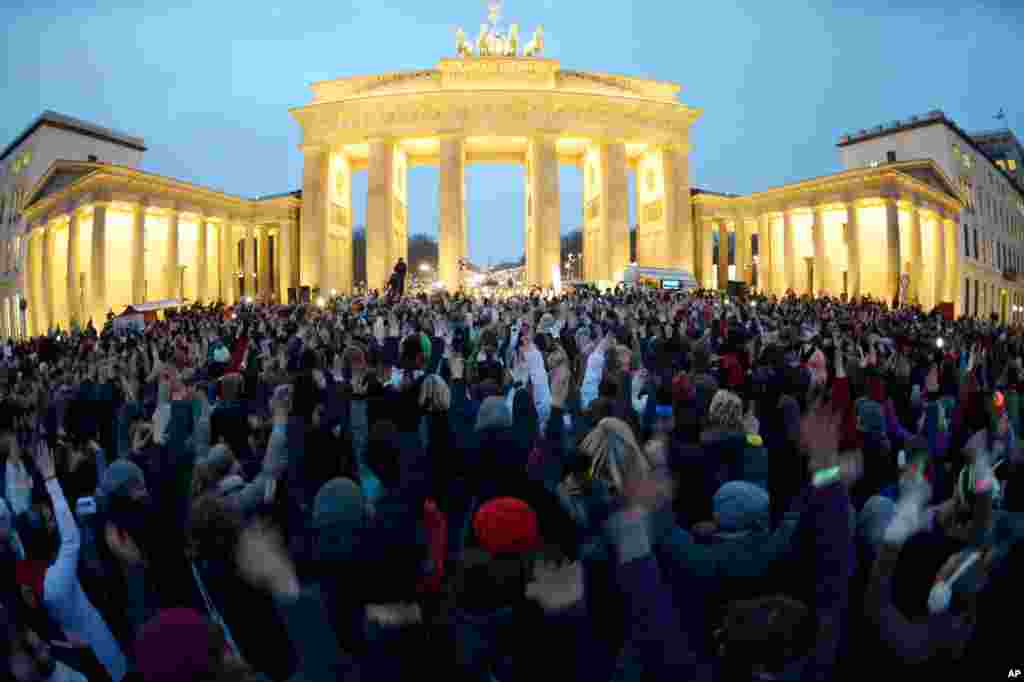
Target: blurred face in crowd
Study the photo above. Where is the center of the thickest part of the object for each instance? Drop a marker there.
(625, 358)
(557, 357)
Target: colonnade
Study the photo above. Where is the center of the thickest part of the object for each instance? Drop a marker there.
(102, 256)
(857, 246)
(663, 200)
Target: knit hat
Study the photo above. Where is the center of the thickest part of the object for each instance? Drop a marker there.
(874, 518)
(726, 411)
(494, 413)
(506, 525)
(741, 506)
(338, 512)
(870, 416)
(682, 389)
(174, 645)
(123, 477)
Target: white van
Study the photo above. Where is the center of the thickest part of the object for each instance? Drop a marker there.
(659, 278)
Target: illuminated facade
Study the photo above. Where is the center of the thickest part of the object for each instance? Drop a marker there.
(494, 109)
(863, 232)
(989, 236)
(99, 237)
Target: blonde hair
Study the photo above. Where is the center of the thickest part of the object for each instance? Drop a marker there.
(209, 471)
(435, 396)
(726, 411)
(614, 451)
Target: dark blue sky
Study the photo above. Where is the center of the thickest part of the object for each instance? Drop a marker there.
(209, 84)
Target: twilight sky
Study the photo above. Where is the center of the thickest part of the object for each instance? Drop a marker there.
(208, 84)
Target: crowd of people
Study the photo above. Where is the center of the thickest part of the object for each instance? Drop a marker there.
(628, 485)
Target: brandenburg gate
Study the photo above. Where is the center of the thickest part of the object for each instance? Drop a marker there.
(492, 104)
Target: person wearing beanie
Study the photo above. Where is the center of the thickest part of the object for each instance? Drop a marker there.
(494, 413)
(508, 595)
(339, 523)
(506, 526)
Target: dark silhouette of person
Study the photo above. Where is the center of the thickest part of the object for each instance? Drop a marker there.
(398, 277)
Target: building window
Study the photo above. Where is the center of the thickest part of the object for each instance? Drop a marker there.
(977, 256)
(967, 241)
(967, 296)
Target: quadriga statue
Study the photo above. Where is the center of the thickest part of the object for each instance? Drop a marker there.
(512, 42)
(462, 46)
(535, 47)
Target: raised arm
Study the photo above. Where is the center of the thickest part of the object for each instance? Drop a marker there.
(61, 577)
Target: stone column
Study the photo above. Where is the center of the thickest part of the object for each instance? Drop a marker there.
(380, 214)
(916, 253)
(98, 264)
(315, 199)
(707, 265)
(340, 224)
(941, 275)
(543, 210)
(451, 202)
(138, 264)
(31, 291)
(852, 249)
(74, 290)
(765, 267)
(607, 211)
(744, 269)
(226, 259)
(952, 284)
(203, 259)
(264, 263)
(723, 254)
(48, 275)
(822, 275)
(617, 203)
(892, 243)
(789, 251)
(251, 264)
(173, 286)
(284, 259)
(679, 209)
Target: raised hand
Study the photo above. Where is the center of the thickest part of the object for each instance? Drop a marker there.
(559, 386)
(556, 587)
(819, 436)
(910, 516)
(44, 460)
(281, 402)
(263, 561)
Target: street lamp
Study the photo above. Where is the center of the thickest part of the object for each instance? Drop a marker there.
(425, 267)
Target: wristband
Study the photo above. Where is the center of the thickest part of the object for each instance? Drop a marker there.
(824, 477)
